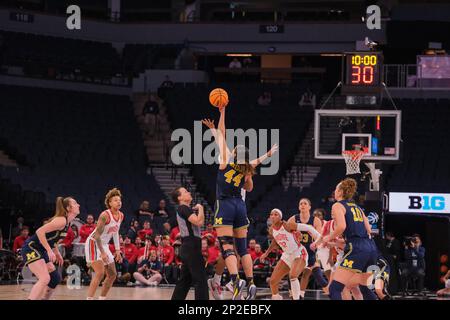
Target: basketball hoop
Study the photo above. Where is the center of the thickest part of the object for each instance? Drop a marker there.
(352, 159)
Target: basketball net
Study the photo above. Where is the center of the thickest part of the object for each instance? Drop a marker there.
(352, 159)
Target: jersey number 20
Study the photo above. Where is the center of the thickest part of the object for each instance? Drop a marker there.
(230, 176)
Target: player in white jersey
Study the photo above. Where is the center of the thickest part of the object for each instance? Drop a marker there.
(338, 244)
(98, 255)
(294, 257)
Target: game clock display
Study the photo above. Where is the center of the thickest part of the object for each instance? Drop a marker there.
(363, 69)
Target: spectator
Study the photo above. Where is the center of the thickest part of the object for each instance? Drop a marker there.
(210, 232)
(67, 244)
(258, 252)
(123, 273)
(20, 239)
(151, 116)
(319, 213)
(265, 99)
(214, 252)
(161, 216)
(235, 64)
(161, 210)
(17, 230)
(143, 213)
(167, 228)
(87, 228)
(131, 254)
(414, 267)
(145, 248)
(393, 246)
(149, 271)
(251, 247)
(174, 234)
(141, 248)
(1, 239)
(205, 254)
(146, 232)
(167, 256)
(132, 232)
(76, 234)
(308, 99)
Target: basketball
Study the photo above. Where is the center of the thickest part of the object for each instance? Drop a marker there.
(218, 98)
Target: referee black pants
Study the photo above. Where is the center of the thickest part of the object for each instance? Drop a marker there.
(193, 272)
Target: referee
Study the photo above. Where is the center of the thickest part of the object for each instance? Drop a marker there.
(193, 270)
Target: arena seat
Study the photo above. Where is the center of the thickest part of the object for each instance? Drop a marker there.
(78, 144)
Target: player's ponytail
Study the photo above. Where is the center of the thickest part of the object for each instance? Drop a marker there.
(61, 207)
(348, 187)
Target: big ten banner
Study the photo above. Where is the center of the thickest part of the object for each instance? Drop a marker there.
(419, 202)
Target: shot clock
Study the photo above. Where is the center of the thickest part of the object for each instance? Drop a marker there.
(363, 69)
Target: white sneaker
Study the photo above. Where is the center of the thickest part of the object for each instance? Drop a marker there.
(251, 292)
(153, 284)
(277, 297)
(215, 289)
(229, 286)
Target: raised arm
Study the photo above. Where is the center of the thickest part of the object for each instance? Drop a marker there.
(268, 154)
(219, 137)
(224, 151)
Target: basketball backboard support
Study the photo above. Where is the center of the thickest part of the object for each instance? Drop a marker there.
(377, 131)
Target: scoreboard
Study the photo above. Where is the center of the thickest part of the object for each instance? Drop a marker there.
(362, 70)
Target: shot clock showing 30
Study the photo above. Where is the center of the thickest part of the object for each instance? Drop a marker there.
(363, 69)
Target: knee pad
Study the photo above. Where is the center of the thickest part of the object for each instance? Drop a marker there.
(55, 279)
(241, 246)
(226, 240)
(336, 290)
(367, 293)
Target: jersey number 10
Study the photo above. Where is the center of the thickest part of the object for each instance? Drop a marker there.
(357, 215)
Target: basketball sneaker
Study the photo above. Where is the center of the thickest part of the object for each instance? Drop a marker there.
(215, 289)
(237, 289)
(229, 286)
(251, 292)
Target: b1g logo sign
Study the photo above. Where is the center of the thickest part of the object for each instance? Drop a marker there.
(427, 202)
(419, 202)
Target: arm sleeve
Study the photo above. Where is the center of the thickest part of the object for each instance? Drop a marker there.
(308, 228)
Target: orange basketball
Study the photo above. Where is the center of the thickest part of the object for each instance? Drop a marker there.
(444, 258)
(218, 98)
(444, 268)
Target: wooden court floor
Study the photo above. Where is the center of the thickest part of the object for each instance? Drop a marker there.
(62, 292)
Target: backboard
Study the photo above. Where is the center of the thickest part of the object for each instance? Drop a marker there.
(377, 132)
